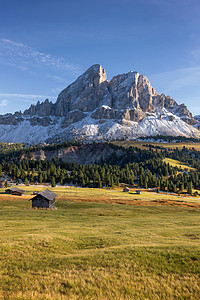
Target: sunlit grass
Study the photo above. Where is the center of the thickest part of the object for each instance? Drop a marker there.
(142, 145)
(177, 163)
(87, 250)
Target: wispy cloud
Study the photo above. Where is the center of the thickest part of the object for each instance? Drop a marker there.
(29, 98)
(29, 59)
(195, 55)
(182, 84)
(4, 102)
(9, 103)
(179, 78)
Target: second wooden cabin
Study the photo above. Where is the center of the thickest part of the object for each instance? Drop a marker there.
(15, 191)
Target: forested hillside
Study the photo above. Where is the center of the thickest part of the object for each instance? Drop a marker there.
(132, 166)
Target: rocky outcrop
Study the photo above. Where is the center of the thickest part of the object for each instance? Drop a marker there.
(45, 108)
(10, 119)
(73, 117)
(84, 154)
(105, 112)
(45, 121)
(85, 94)
(135, 115)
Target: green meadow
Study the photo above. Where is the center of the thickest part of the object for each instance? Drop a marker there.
(91, 250)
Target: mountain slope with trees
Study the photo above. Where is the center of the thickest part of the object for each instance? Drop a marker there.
(132, 166)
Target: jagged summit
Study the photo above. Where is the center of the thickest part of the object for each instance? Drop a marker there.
(92, 107)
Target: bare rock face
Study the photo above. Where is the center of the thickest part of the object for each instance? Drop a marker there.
(123, 91)
(135, 115)
(9, 119)
(171, 118)
(106, 113)
(72, 117)
(41, 109)
(45, 121)
(86, 93)
(84, 154)
(145, 93)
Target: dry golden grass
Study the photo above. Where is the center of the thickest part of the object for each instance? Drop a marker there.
(111, 196)
(141, 144)
(177, 163)
(88, 250)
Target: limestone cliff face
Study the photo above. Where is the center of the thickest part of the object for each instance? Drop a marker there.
(127, 105)
(45, 108)
(85, 94)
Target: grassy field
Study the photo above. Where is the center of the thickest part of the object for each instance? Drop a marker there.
(111, 196)
(101, 244)
(99, 250)
(177, 163)
(141, 144)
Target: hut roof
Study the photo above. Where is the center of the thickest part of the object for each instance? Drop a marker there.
(15, 189)
(48, 194)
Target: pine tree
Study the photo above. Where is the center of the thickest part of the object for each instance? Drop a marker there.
(181, 187)
(189, 188)
(100, 183)
(26, 181)
(117, 181)
(40, 178)
(112, 182)
(145, 184)
(53, 182)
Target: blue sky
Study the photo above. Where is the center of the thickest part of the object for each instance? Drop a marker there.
(46, 45)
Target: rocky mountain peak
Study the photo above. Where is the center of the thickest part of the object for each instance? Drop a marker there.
(85, 93)
(126, 106)
(95, 74)
(41, 109)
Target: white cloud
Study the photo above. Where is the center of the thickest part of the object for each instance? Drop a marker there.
(4, 102)
(195, 53)
(27, 58)
(29, 98)
(181, 84)
(178, 78)
(20, 101)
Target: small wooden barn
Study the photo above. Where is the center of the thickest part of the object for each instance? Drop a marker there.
(15, 191)
(36, 193)
(138, 192)
(126, 189)
(2, 183)
(45, 199)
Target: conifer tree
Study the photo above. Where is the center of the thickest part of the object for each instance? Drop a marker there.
(26, 181)
(53, 182)
(189, 188)
(40, 178)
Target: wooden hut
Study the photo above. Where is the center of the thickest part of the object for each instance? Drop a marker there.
(36, 193)
(2, 183)
(126, 189)
(45, 199)
(15, 191)
(138, 192)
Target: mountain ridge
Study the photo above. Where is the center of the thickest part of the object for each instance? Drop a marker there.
(94, 108)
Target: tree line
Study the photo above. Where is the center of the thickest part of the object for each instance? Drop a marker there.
(145, 168)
